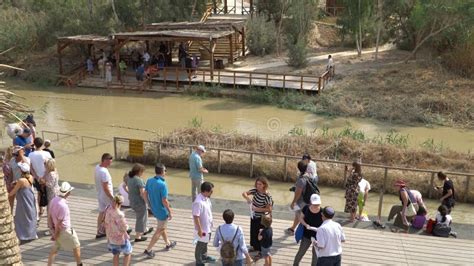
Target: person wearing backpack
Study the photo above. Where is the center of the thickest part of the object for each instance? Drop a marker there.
(265, 236)
(230, 240)
(305, 187)
(442, 227)
(352, 190)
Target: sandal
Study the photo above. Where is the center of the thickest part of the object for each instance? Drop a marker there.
(290, 231)
(148, 231)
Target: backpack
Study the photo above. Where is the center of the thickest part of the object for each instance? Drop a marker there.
(228, 252)
(310, 189)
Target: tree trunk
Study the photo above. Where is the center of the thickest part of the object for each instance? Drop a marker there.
(359, 40)
(112, 3)
(9, 249)
(379, 27)
(89, 6)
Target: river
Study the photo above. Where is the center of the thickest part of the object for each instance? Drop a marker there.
(105, 114)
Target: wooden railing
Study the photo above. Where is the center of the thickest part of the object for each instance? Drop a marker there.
(252, 155)
(241, 78)
(73, 79)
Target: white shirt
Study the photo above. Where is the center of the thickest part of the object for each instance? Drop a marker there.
(330, 236)
(102, 175)
(330, 62)
(439, 218)
(146, 57)
(363, 184)
(311, 169)
(38, 158)
(202, 207)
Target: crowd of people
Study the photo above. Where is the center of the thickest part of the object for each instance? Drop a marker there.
(30, 163)
(145, 63)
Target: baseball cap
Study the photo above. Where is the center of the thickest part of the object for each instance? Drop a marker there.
(65, 188)
(201, 148)
(315, 199)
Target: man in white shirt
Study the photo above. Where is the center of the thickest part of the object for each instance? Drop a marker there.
(202, 216)
(38, 158)
(146, 59)
(103, 184)
(330, 66)
(330, 236)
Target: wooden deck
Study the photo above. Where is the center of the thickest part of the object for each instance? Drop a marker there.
(363, 247)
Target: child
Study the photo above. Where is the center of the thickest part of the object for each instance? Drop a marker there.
(265, 237)
(442, 227)
(47, 144)
(116, 228)
(420, 219)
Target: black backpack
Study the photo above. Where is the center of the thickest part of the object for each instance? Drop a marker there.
(310, 189)
(228, 251)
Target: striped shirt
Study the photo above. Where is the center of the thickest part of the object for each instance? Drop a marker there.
(260, 200)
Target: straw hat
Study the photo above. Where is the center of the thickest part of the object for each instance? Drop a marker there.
(65, 188)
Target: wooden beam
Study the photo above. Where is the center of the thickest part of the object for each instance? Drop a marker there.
(243, 42)
(212, 46)
(231, 52)
(60, 61)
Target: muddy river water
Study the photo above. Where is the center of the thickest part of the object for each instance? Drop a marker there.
(104, 114)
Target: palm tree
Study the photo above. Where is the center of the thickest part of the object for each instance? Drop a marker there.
(9, 249)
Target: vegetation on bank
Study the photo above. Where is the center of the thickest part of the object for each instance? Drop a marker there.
(320, 144)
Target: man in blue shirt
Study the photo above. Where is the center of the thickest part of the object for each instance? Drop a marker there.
(23, 140)
(196, 170)
(156, 192)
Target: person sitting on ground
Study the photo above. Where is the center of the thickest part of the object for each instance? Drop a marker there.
(265, 236)
(448, 196)
(442, 227)
(47, 145)
(116, 227)
(25, 212)
(59, 222)
(311, 218)
(235, 253)
(418, 222)
(364, 187)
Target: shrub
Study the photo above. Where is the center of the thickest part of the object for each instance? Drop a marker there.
(297, 54)
(460, 60)
(261, 37)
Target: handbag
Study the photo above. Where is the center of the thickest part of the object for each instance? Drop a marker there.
(411, 210)
(429, 226)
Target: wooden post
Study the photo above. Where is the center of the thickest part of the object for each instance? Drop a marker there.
(219, 76)
(345, 176)
(250, 78)
(430, 191)
(218, 161)
(285, 169)
(164, 75)
(319, 84)
(212, 46)
(466, 189)
(177, 77)
(214, 5)
(234, 79)
(60, 60)
(266, 80)
(159, 152)
(382, 191)
(251, 165)
(231, 48)
(117, 58)
(115, 149)
(225, 7)
(301, 87)
(284, 80)
(243, 42)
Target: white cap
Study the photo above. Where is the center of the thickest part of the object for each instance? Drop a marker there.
(201, 148)
(24, 167)
(315, 199)
(65, 188)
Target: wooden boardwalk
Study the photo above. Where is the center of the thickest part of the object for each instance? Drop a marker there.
(363, 247)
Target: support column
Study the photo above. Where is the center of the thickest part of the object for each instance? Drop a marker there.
(60, 61)
(214, 5)
(225, 7)
(212, 47)
(117, 61)
(231, 48)
(243, 41)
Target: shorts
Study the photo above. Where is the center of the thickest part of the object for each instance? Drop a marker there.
(126, 248)
(161, 224)
(265, 252)
(67, 240)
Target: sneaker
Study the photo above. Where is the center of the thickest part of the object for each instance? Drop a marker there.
(289, 231)
(47, 233)
(171, 245)
(149, 254)
(148, 231)
(454, 234)
(141, 239)
(210, 259)
(100, 235)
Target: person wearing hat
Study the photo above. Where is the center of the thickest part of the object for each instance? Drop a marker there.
(311, 218)
(18, 153)
(24, 140)
(59, 222)
(25, 212)
(401, 212)
(330, 235)
(196, 170)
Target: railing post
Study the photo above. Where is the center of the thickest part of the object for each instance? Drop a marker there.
(284, 81)
(345, 176)
(219, 77)
(177, 73)
(234, 79)
(466, 189)
(430, 191)
(382, 191)
(251, 165)
(219, 161)
(159, 152)
(319, 84)
(250, 78)
(57, 136)
(301, 85)
(266, 80)
(285, 169)
(115, 148)
(165, 75)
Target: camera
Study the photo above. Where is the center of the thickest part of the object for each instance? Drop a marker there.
(292, 189)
